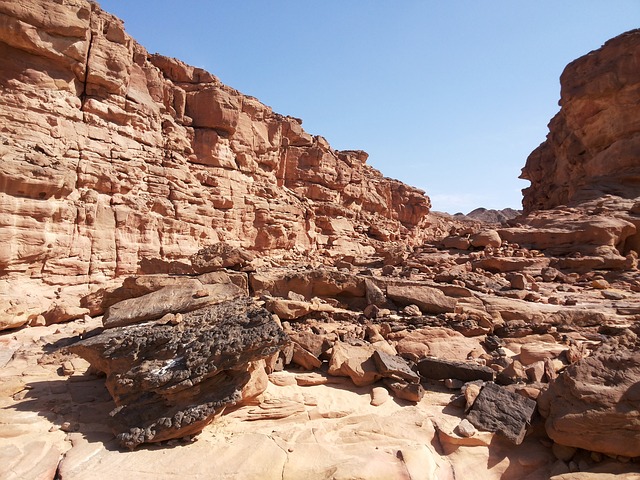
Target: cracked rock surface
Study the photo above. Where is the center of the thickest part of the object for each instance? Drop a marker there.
(169, 381)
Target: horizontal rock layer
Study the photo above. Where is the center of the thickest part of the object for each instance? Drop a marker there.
(111, 156)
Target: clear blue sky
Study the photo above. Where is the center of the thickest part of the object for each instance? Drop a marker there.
(450, 96)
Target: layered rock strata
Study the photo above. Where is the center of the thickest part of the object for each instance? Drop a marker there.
(111, 156)
(593, 143)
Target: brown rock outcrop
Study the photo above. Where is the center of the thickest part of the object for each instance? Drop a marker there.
(595, 404)
(596, 234)
(110, 156)
(594, 141)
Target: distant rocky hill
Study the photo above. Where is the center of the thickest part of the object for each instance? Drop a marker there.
(491, 215)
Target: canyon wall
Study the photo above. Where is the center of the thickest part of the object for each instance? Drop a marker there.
(593, 145)
(110, 156)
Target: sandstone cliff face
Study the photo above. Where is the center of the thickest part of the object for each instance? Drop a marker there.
(110, 155)
(593, 145)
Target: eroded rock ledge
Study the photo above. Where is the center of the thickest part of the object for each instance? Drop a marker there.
(593, 142)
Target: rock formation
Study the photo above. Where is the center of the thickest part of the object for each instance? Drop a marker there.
(595, 397)
(111, 156)
(170, 378)
(593, 143)
(205, 254)
(491, 215)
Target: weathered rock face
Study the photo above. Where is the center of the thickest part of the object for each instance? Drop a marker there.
(594, 141)
(596, 234)
(170, 380)
(595, 404)
(110, 156)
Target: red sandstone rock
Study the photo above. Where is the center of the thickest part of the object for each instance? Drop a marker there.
(126, 156)
(592, 145)
(595, 404)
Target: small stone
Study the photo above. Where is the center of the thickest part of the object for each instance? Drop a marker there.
(486, 238)
(529, 392)
(167, 318)
(412, 311)
(371, 311)
(600, 284)
(583, 465)
(471, 392)
(66, 427)
(563, 452)
(379, 395)
(38, 321)
(68, 368)
(412, 392)
(559, 468)
(517, 280)
(393, 366)
(388, 270)
(291, 295)
(549, 274)
(466, 429)
(200, 294)
(612, 295)
(374, 295)
(533, 297)
(535, 372)
(596, 457)
(177, 318)
(453, 383)
(304, 358)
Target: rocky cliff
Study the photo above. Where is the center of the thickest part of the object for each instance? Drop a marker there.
(111, 156)
(593, 143)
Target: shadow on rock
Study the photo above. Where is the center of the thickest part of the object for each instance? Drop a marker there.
(80, 403)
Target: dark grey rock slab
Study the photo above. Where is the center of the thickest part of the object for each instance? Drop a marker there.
(440, 369)
(170, 380)
(394, 366)
(497, 409)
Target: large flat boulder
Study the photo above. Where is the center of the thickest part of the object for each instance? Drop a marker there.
(435, 342)
(178, 298)
(440, 369)
(428, 299)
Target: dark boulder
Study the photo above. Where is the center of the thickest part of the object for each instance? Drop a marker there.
(170, 380)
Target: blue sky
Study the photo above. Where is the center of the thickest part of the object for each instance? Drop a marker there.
(448, 96)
